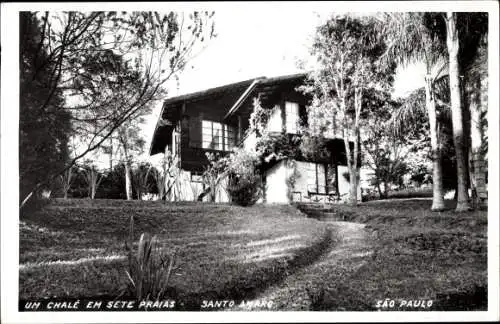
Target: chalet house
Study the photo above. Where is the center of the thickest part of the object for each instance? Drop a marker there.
(217, 120)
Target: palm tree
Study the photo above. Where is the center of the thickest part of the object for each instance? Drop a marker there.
(467, 32)
(476, 84)
(453, 45)
(409, 41)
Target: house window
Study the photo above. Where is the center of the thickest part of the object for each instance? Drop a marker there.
(292, 117)
(316, 178)
(217, 136)
(229, 137)
(274, 123)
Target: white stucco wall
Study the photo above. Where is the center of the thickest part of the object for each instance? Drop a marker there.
(344, 183)
(276, 189)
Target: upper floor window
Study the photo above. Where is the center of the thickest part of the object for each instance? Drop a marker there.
(274, 123)
(217, 136)
(292, 117)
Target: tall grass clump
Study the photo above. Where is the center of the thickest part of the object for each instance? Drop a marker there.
(149, 268)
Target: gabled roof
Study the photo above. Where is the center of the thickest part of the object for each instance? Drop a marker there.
(199, 95)
(171, 106)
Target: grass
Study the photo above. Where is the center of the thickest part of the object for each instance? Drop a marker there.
(417, 255)
(75, 248)
(401, 194)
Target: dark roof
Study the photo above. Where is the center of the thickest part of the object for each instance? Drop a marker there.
(172, 105)
(208, 92)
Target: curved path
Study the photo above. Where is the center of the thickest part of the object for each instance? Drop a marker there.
(305, 289)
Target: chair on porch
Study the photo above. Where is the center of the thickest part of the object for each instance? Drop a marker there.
(325, 194)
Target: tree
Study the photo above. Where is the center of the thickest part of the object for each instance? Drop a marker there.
(131, 144)
(66, 180)
(347, 50)
(452, 42)
(476, 86)
(111, 65)
(92, 177)
(385, 150)
(43, 133)
(410, 40)
(465, 34)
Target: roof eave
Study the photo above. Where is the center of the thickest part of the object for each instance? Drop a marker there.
(243, 97)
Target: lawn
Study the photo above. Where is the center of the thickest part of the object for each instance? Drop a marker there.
(75, 248)
(417, 255)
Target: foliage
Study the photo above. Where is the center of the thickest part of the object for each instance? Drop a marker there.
(113, 185)
(214, 173)
(413, 38)
(65, 181)
(386, 151)
(347, 49)
(92, 177)
(291, 179)
(108, 65)
(149, 269)
(172, 174)
(142, 179)
(420, 174)
(245, 182)
(270, 145)
(159, 176)
(313, 146)
(259, 117)
(131, 144)
(43, 133)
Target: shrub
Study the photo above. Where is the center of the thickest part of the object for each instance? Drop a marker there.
(245, 191)
(245, 184)
(149, 269)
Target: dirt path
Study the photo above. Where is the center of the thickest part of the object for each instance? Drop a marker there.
(305, 289)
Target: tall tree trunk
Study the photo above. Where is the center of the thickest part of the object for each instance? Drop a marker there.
(353, 166)
(128, 180)
(477, 176)
(377, 185)
(437, 168)
(352, 171)
(456, 112)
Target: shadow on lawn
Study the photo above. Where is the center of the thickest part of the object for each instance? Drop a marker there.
(476, 300)
(249, 287)
(237, 290)
(473, 300)
(409, 228)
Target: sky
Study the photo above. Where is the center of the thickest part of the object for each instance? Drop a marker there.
(247, 46)
(251, 44)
